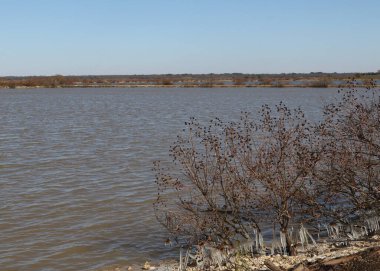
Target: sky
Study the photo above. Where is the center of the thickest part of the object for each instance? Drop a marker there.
(83, 37)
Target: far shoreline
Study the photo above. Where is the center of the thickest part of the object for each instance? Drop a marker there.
(178, 86)
(225, 80)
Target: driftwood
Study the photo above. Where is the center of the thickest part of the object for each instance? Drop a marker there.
(367, 260)
(340, 260)
(301, 267)
(272, 267)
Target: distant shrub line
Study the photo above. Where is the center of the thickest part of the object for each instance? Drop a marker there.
(316, 80)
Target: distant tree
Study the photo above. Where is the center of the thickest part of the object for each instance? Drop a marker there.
(166, 82)
(239, 81)
(320, 83)
(11, 84)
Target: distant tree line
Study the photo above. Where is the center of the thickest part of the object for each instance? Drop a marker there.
(189, 80)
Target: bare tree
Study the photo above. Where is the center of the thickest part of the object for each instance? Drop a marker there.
(282, 168)
(206, 194)
(231, 179)
(350, 174)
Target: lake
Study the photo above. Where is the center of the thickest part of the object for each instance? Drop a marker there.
(76, 180)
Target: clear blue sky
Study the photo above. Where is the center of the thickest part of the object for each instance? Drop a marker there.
(44, 37)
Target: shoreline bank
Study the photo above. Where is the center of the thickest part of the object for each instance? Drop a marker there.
(323, 256)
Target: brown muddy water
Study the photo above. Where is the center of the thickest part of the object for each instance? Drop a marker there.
(76, 180)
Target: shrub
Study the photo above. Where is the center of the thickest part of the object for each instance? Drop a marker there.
(205, 195)
(166, 82)
(321, 83)
(281, 166)
(239, 81)
(230, 179)
(351, 149)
